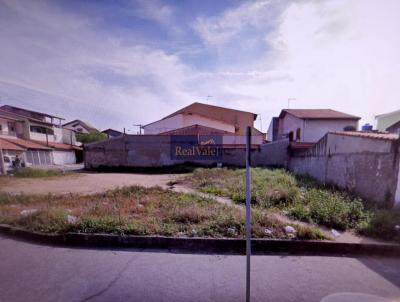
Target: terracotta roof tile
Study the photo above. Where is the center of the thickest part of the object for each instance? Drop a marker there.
(26, 143)
(373, 135)
(6, 145)
(196, 130)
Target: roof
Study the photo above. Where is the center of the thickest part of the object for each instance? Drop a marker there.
(112, 130)
(15, 116)
(6, 145)
(8, 117)
(58, 146)
(84, 124)
(387, 114)
(196, 130)
(373, 135)
(28, 144)
(4, 107)
(318, 114)
(219, 113)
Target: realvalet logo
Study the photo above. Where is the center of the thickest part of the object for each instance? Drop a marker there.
(196, 147)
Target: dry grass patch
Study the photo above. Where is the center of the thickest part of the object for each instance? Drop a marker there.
(135, 210)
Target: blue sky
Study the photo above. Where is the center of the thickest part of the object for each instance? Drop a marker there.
(115, 64)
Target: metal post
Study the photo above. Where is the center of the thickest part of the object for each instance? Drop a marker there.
(248, 209)
(2, 165)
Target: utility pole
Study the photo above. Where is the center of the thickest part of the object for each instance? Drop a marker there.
(140, 127)
(248, 211)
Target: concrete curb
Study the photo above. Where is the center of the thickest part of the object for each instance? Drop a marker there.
(205, 245)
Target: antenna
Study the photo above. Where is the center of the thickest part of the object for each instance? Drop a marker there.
(288, 101)
(208, 96)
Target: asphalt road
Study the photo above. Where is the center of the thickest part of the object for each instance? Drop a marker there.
(30, 272)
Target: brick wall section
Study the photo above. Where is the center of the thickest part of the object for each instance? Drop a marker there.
(366, 166)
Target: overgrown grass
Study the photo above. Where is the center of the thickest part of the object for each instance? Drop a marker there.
(269, 187)
(302, 197)
(35, 173)
(383, 224)
(140, 211)
(330, 208)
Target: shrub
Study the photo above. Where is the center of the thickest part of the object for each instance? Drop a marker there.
(382, 224)
(32, 172)
(332, 209)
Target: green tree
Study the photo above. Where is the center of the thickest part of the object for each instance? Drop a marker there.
(91, 137)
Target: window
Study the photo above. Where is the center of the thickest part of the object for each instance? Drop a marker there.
(349, 128)
(298, 134)
(1, 127)
(40, 129)
(11, 127)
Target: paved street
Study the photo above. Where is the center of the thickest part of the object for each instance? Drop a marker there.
(31, 272)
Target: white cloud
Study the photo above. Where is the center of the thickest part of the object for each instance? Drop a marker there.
(57, 62)
(326, 54)
(217, 31)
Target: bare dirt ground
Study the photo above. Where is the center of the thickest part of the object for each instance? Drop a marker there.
(83, 183)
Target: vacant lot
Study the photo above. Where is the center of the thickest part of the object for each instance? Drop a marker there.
(82, 183)
(300, 198)
(141, 211)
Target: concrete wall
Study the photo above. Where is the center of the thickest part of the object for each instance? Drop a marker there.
(289, 123)
(193, 119)
(275, 154)
(369, 167)
(168, 124)
(314, 130)
(311, 130)
(151, 151)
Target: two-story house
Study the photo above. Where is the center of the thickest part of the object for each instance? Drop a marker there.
(310, 125)
(41, 136)
(203, 119)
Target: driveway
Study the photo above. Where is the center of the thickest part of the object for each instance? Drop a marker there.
(32, 272)
(84, 183)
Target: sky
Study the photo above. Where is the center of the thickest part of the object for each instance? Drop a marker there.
(116, 64)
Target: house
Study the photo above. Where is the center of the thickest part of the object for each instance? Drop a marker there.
(80, 127)
(112, 133)
(207, 119)
(387, 120)
(395, 128)
(40, 136)
(310, 125)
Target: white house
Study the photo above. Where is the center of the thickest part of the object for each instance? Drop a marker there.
(310, 125)
(40, 135)
(80, 126)
(208, 118)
